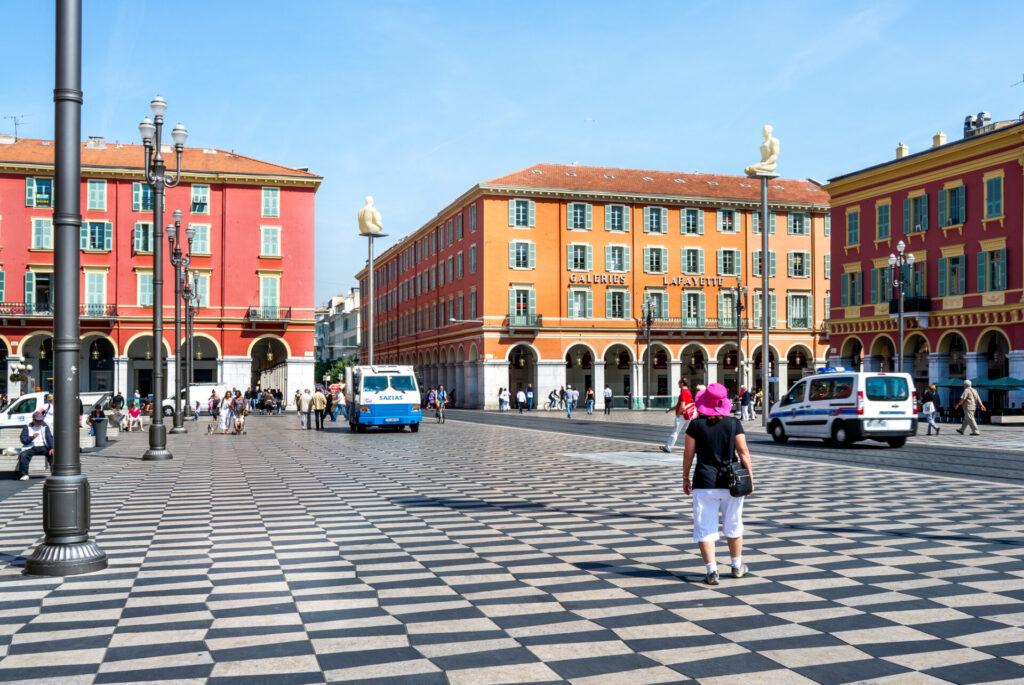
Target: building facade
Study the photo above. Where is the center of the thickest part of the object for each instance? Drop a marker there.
(957, 207)
(338, 327)
(252, 257)
(543, 278)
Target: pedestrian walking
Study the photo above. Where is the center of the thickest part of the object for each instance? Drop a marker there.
(562, 397)
(930, 407)
(575, 398)
(506, 399)
(225, 413)
(521, 399)
(746, 404)
(239, 410)
(590, 401)
(608, 397)
(36, 438)
(971, 402)
(684, 410)
(305, 405)
(319, 407)
(716, 439)
(529, 397)
(568, 401)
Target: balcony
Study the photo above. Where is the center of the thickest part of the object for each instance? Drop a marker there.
(911, 305)
(26, 309)
(275, 314)
(98, 311)
(530, 320)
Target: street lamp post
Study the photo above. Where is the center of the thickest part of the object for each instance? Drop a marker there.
(180, 263)
(896, 263)
(151, 132)
(66, 549)
(741, 292)
(648, 321)
(190, 294)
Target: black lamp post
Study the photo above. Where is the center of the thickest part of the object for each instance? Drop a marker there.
(180, 263)
(896, 263)
(741, 292)
(155, 169)
(648, 321)
(66, 549)
(190, 294)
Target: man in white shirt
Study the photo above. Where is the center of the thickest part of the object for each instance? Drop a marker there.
(607, 399)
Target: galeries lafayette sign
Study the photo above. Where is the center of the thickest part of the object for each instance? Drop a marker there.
(620, 279)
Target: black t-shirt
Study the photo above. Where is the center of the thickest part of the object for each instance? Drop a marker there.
(716, 444)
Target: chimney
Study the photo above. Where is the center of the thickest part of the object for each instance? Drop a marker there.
(902, 151)
(96, 143)
(938, 139)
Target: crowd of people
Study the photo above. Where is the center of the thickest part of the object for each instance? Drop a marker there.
(319, 406)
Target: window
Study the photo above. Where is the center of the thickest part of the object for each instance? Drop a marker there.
(3, 287)
(886, 388)
(952, 275)
(97, 235)
(616, 304)
(522, 306)
(472, 219)
(580, 216)
(616, 218)
(828, 265)
(521, 255)
(992, 270)
(269, 295)
(580, 257)
(728, 262)
(521, 213)
(658, 302)
(440, 274)
(693, 221)
(758, 307)
(693, 260)
(799, 264)
(728, 221)
(853, 228)
(97, 195)
(795, 394)
(952, 206)
(993, 197)
(616, 258)
(200, 199)
(472, 304)
(581, 304)
(852, 289)
(727, 309)
(142, 197)
(693, 310)
(450, 273)
(828, 225)
(202, 285)
(143, 236)
(458, 265)
(39, 192)
(271, 202)
(42, 234)
(798, 311)
(655, 260)
(458, 226)
(450, 232)
(882, 222)
(95, 292)
(655, 220)
(270, 241)
(798, 223)
(472, 259)
(881, 284)
(201, 243)
(915, 214)
(757, 263)
(145, 289)
(756, 223)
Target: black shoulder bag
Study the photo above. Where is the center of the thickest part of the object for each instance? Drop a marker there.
(740, 484)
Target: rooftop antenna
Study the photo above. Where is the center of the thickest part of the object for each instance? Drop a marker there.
(17, 120)
(1018, 82)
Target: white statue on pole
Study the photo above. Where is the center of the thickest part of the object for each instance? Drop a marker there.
(769, 155)
(369, 218)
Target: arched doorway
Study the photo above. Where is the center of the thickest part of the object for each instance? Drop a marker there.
(522, 369)
(995, 348)
(695, 367)
(140, 366)
(799, 361)
(618, 368)
(852, 353)
(915, 353)
(37, 349)
(204, 360)
(883, 355)
(579, 369)
(269, 366)
(96, 364)
(658, 387)
(730, 367)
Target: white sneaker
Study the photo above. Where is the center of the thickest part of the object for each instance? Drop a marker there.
(25, 477)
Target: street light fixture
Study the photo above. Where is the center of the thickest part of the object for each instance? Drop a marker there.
(190, 296)
(180, 263)
(741, 295)
(896, 263)
(647, 322)
(159, 180)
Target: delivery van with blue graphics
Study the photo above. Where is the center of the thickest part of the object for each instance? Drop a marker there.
(382, 395)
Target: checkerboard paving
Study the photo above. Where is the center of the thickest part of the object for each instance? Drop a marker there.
(469, 554)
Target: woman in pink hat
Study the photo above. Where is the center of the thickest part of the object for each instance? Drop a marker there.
(715, 437)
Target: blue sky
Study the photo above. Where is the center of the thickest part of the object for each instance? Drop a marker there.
(414, 102)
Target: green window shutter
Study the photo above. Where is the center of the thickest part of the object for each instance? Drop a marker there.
(755, 221)
(807, 223)
(511, 255)
(682, 260)
(625, 259)
(626, 211)
(789, 223)
(942, 207)
(737, 260)
(3, 287)
(942, 277)
(906, 215)
(568, 305)
(789, 311)
(533, 216)
(664, 220)
(511, 212)
(136, 197)
(757, 310)
(961, 205)
(756, 269)
(590, 304)
(627, 310)
(590, 258)
(607, 217)
(737, 221)
(859, 281)
(83, 236)
(789, 265)
(982, 271)
(30, 289)
(607, 258)
(962, 275)
(647, 260)
(924, 212)
(772, 318)
(721, 260)
(511, 302)
(700, 260)
(647, 219)
(108, 235)
(533, 256)
(772, 219)
(590, 216)
(700, 221)
(718, 220)
(30, 192)
(607, 304)
(874, 286)
(700, 310)
(568, 257)
(664, 260)
(771, 263)
(721, 310)
(844, 298)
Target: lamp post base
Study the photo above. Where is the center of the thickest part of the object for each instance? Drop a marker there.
(66, 550)
(157, 455)
(66, 559)
(157, 444)
(178, 430)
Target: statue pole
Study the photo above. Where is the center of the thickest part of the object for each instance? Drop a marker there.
(765, 298)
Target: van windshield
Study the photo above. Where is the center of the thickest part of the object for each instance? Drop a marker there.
(403, 383)
(887, 388)
(375, 383)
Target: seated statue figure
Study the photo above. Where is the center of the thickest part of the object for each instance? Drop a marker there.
(369, 218)
(769, 155)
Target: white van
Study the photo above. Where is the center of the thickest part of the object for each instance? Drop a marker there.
(843, 406)
(19, 412)
(382, 395)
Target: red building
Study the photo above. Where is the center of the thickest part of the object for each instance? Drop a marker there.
(958, 208)
(252, 257)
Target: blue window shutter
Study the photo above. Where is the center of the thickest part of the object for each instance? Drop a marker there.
(568, 257)
(511, 302)
(136, 197)
(3, 287)
(718, 220)
(664, 220)
(942, 208)
(647, 219)
(590, 258)
(607, 304)
(590, 304)
(30, 192)
(845, 286)
(608, 258)
(755, 221)
(647, 260)
(108, 235)
(625, 259)
(700, 260)
(789, 223)
(511, 212)
(982, 270)
(533, 215)
(906, 215)
(83, 236)
(962, 275)
(533, 255)
(924, 212)
(942, 277)
(874, 286)
(626, 211)
(1000, 269)
(30, 289)
(700, 221)
(590, 216)
(511, 254)
(962, 205)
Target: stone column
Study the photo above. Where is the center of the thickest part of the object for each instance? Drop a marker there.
(1016, 358)
(598, 385)
(170, 389)
(845, 362)
(712, 372)
(638, 387)
(236, 372)
(551, 374)
(463, 392)
(13, 387)
(494, 376)
(977, 367)
(675, 373)
(938, 370)
(298, 375)
(121, 375)
(783, 366)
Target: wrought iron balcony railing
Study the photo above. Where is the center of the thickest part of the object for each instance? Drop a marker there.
(530, 320)
(98, 311)
(269, 313)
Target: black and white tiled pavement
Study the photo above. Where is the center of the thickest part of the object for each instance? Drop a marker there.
(471, 554)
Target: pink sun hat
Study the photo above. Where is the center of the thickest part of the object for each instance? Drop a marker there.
(713, 401)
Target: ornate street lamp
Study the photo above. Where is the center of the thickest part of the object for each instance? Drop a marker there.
(741, 295)
(896, 263)
(647, 322)
(151, 131)
(190, 295)
(180, 263)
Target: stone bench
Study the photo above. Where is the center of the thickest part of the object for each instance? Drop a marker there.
(1008, 420)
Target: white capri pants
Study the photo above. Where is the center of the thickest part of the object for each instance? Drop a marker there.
(707, 505)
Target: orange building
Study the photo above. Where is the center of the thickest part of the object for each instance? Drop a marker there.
(541, 278)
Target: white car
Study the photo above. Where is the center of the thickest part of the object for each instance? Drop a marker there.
(843, 406)
(197, 392)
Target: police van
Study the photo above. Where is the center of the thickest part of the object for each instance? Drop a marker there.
(382, 395)
(843, 406)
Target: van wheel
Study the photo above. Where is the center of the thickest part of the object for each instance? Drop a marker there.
(840, 435)
(778, 432)
(414, 427)
(360, 427)
(897, 442)
(168, 411)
